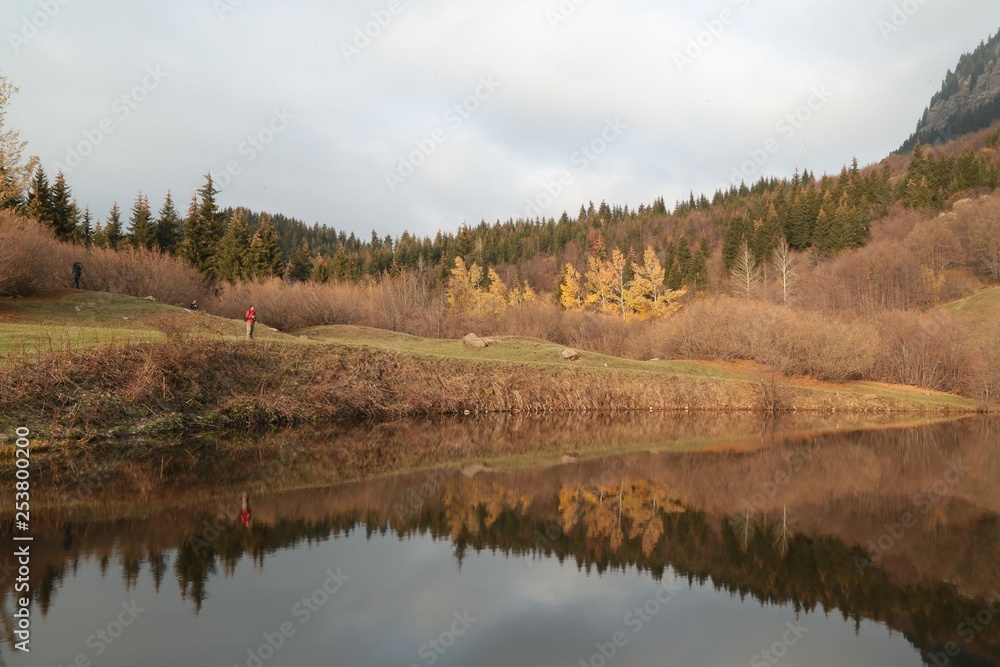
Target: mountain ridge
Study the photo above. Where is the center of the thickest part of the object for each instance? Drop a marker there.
(969, 99)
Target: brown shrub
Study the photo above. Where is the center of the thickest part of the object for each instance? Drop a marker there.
(142, 273)
(881, 276)
(928, 350)
(31, 259)
(977, 226)
(793, 342)
(290, 306)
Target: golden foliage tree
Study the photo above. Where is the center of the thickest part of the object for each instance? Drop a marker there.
(570, 291)
(647, 297)
(464, 290)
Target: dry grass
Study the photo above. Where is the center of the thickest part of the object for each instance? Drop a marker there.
(141, 389)
(32, 260)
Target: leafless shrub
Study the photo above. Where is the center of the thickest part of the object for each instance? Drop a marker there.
(290, 306)
(29, 256)
(927, 350)
(32, 259)
(793, 342)
(882, 276)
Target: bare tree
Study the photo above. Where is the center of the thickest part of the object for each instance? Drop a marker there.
(783, 261)
(745, 273)
(15, 173)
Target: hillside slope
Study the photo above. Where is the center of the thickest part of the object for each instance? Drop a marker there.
(969, 98)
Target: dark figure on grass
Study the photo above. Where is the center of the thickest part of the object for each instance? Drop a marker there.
(77, 272)
(251, 318)
(194, 304)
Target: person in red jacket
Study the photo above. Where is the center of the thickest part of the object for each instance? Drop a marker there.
(251, 318)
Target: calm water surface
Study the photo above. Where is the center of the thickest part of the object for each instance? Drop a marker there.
(863, 548)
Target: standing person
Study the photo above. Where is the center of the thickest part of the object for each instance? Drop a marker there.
(251, 318)
(77, 272)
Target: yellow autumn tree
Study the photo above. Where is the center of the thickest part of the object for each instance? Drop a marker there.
(495, 300)
(520, 292)
(464, 292)
(599, 278)
(570, 292)
(606, 284)
(647, 297)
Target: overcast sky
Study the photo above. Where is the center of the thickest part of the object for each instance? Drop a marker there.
(448, 112)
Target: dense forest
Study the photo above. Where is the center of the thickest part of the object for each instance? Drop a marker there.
(824, 215)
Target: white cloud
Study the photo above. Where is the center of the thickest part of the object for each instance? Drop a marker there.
(687, 127)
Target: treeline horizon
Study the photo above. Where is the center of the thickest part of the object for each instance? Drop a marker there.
(824, 216)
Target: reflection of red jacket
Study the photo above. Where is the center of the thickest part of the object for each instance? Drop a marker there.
(251, 315)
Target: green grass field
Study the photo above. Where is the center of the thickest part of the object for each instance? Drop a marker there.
(980, 314)
(75, 319)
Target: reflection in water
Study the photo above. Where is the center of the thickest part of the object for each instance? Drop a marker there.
(896, 527)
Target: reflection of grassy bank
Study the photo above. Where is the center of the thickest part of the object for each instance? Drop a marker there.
(99, 473)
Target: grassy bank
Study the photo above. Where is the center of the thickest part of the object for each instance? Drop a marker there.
(84, 366)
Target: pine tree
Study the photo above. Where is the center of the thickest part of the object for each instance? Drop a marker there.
(321, 272)
(696, 275)
(64, 215)
(98, 239)
(112, 233)
(300, 265)
(266, 260)
(233, 258)
(168, 226)
(85, 230)
(203, 229)
(142, 233)
(40, 198)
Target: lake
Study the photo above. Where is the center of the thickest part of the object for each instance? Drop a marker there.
(629, 540)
